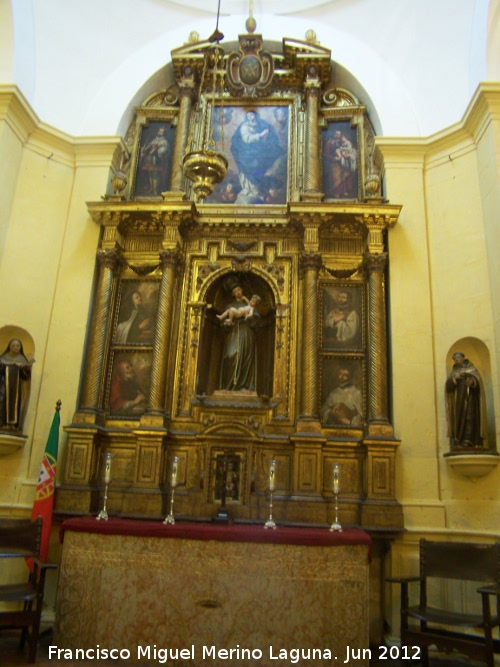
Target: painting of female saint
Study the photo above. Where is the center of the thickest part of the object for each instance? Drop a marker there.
(340, 161)
(342, 325)
(129, 388)
(256, 147)
(154, 160)
(137, 314)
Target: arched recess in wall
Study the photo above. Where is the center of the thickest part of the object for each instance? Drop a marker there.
(15, 385)
(478, 353)
(211, 376)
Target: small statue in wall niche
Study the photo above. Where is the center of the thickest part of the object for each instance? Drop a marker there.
(464, 405)
(15, 385)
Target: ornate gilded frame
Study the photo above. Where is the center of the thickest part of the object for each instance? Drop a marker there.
(147, 123)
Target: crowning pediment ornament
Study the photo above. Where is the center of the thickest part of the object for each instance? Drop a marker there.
(250, 70)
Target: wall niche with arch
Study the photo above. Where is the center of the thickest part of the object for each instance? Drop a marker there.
(237, 352)
(470, 415)
(17, 350)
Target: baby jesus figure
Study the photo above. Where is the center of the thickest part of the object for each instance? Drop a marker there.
(242, 312)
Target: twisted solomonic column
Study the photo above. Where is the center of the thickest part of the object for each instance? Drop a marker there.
(109, 262)
(311, 167)
(188, 93)
(377, 373)
(171, 263)
(310, 265)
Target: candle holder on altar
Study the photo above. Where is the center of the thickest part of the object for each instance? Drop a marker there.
(272, 483)
(106, 475)
(169, 519)
(336, 527)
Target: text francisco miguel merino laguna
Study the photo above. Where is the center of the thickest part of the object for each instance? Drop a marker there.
(163, 655)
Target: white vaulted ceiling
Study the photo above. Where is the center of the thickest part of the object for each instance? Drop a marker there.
(83, 65)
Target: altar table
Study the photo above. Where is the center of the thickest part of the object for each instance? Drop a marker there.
(146, 588)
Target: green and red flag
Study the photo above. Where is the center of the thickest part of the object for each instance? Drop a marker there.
(44, 499)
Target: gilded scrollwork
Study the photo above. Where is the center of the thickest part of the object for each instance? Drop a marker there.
(204, 270)
(278, 273)
(241, 263)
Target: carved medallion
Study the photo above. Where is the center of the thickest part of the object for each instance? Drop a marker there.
(250, 70)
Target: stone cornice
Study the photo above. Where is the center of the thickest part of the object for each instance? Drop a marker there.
(450, 142)
(484, 107)
(16, 112)
(51, 143)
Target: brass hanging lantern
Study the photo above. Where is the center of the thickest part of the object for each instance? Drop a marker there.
(206, 167)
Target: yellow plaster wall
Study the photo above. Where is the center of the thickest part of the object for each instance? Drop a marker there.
(442, 291)
(46, 270)
(444, 278)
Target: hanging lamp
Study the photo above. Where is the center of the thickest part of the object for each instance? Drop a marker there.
(206, 167)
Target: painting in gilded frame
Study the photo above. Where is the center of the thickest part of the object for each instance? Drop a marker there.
(255, 143)
(342, 403)
(154, 159)
(340, 161)
(129, 385)
(137, 313)
(342, 317)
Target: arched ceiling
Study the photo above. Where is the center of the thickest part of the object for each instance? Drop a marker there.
(82, 66)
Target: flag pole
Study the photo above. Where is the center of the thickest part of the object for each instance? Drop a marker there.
(44, 498)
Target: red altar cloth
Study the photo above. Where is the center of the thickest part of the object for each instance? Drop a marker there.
(313, 537)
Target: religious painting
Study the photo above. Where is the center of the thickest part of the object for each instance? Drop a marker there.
(154, 159)
(342, 403)
(255, 143)
(340, 161)
(129, 384)
(137, 313)
(227, 477)
(342, 317)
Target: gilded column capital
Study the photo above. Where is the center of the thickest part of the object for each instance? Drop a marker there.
(171, 258)
(110, 259)
(375, 262)
(310, 262)
(312, 87)
(376, 223)
(187, 86)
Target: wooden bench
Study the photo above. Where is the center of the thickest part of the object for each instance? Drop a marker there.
(20, 538)
(453, 629)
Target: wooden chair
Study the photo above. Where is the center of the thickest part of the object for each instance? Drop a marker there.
(20, 538)
(452, 629)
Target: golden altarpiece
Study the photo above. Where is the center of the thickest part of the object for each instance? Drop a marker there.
(299, 221)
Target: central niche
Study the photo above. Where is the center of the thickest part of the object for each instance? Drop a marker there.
(237, 346)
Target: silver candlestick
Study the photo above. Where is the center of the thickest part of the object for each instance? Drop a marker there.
(336, 488)
(272, 481)
(103, 514)
(170, 520)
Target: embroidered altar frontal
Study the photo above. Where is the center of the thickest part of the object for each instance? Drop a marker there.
(301, 592)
